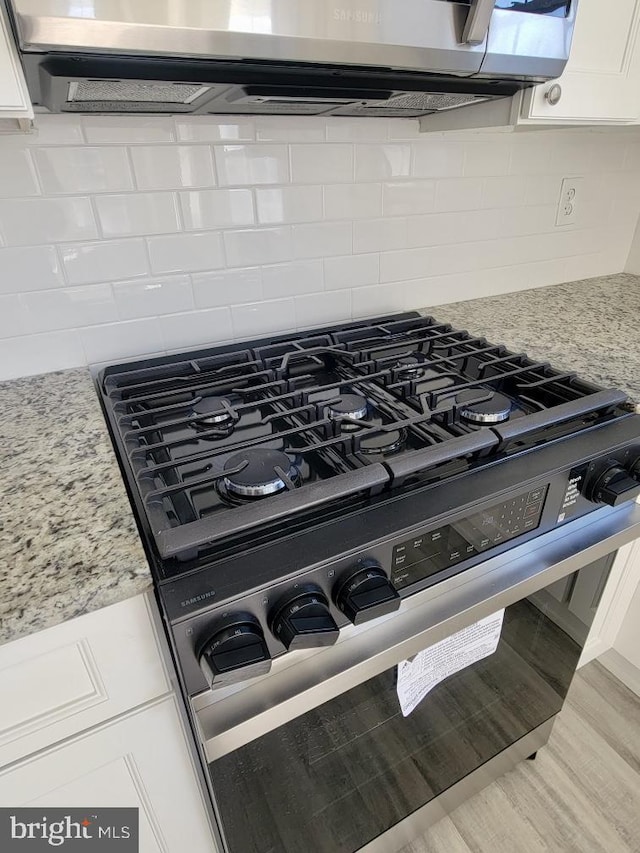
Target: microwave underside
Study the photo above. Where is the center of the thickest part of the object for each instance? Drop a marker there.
(108, 84)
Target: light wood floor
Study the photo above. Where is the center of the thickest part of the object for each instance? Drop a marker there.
(581, 794)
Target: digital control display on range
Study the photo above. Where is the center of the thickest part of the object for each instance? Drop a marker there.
(429, 553)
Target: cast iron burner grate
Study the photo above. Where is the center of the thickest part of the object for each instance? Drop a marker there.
(340, 416)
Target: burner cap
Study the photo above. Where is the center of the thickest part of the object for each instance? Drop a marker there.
(383, 442)
(259, 477)
(492, 411)
(348, 406)
(211, 411)
(410, 366)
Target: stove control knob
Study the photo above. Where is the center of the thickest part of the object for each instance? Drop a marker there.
(303, 620)
(614, 485)
(235, 652)
(366, 593)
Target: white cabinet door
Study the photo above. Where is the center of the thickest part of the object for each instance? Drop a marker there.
(77, 675)
(601, 82)
(14, 100)
(139, 760)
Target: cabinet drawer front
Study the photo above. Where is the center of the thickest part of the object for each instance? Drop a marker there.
(61, 681)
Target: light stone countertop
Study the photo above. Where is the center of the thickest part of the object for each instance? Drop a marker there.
(68, 540)
(591, 327)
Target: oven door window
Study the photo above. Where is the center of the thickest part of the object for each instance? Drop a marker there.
(337, 777)
(555, 8)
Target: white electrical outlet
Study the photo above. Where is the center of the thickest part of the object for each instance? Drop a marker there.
(569, 200)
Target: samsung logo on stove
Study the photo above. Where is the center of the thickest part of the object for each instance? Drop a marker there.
(198, 598)
(357, 16)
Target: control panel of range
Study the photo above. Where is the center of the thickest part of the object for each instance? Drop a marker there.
(429, 553)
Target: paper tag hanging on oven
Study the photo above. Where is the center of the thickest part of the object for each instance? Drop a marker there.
(418, 676)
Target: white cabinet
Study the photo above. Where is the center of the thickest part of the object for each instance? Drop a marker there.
(14, 99)
(601, 82)
(88, 718)
(77, 675)
(139, 760)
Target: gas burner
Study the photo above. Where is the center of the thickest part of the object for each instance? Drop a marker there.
(410, 366)
(383, 442)
(348, 406)
(265, 472)
(492, 411)
(213, 412)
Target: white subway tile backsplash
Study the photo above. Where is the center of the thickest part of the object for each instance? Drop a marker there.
(379, 235)
(14, 317)
(30, 222)
(407, 264)
(351, 271)
(352, 201)
(175, 253)
(252, 164)
(214, 129)
(487, 158)
(316, 309)
(108, 260)
(196, 328)
(137, 213)
(215, 289)
(32, 268)
(127, 129)
(121, 340)
(148, 297)
(543, 189)
(290, 129)
(217, 208)
(407, 198)
(70, 308)
(55, 130)
(139, 235)
(379, 299)
(17, 174)
(292, 278)
(322, 239)
(83, 170)
(260, 318)
(31, 354)
(321, 164)
(438, 160)
(458, 194)
(164, 167)
(276, 205)
(381, 162)
(257, 246)
(505, 191)
(353, 129)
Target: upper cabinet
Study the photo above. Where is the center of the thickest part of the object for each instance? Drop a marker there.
(14, 99)
(601, 81)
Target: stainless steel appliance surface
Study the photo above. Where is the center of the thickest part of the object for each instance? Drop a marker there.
(349, 58)
(321, 507)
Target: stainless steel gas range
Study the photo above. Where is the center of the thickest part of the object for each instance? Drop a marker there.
(340, 519)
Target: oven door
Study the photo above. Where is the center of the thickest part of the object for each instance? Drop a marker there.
(318, 757)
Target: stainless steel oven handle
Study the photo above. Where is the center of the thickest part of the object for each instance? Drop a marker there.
(477, 23)
(292, 689)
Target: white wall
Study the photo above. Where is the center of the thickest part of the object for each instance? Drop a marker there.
(122, 236)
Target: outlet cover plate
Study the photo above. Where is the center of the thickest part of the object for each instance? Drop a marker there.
(570, 198)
